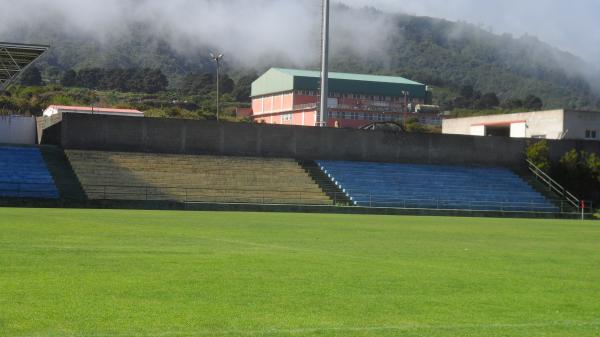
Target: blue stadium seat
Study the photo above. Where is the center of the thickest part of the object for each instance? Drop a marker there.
(434, 186)
(23, 174)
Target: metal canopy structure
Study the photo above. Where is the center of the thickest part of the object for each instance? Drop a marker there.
(15, 58)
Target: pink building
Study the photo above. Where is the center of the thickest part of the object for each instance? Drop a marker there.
(289, 96)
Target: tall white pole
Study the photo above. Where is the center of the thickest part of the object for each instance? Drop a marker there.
(324, 64)
(217, 57)
(218, 75)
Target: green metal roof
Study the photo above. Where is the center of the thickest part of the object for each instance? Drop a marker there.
(277, 80)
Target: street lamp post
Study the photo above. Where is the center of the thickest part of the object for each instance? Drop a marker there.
(217, 57)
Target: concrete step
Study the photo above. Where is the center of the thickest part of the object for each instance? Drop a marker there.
(64, 177)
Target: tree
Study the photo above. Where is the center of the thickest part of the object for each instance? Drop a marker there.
(145, 80)
(69, 78)
(513, 103)
(89, 78)
(243, 88)
(570, 161)
(31, 77)
(461, 102)
(574, 173)
(592, 163)
(198, 84)
(226, 84)
(539, 154)
(533, 102)
(153, 81)
(413, 125)
(489, 100)
(467, 92)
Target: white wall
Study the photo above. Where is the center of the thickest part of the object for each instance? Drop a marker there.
(518, 130)
(547, 124)
(17, 130)
(577, 122)
(477, 130)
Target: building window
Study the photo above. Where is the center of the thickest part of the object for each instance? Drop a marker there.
(287, 117)
(590, 134)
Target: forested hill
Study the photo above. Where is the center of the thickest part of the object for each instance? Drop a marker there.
(443, 54)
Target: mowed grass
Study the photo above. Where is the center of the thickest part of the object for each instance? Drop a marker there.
(154, 273)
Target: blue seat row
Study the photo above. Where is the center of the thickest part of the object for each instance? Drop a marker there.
(434, 186)
(24, 174)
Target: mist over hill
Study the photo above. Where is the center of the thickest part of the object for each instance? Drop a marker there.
(443, 54)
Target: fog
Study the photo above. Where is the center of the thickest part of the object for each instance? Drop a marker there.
(247, 31)
(568, 25)
(252, 32)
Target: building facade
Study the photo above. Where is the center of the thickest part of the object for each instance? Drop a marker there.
(550, 124)
(290, 96)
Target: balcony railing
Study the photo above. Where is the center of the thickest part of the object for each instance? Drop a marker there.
(357, 107)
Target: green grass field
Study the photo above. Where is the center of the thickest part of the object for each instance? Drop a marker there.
(144, 273)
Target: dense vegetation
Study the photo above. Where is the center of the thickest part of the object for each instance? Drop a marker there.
(577, 171)
(125, 80)
(33, 100)
(503, 73)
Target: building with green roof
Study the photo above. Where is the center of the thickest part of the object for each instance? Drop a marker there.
(291, 96)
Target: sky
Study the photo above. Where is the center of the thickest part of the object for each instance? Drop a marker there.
(572, 26)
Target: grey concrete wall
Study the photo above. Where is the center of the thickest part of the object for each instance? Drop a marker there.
(17, 130)
(112, 133)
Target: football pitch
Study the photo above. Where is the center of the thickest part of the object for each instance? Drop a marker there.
(157, 273)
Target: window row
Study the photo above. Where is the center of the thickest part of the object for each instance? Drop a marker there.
(362, 116)
(358, 96)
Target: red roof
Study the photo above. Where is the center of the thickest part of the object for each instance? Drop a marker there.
(99, 109)
(502, 123)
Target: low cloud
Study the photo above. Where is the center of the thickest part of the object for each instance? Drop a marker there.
(248, 32)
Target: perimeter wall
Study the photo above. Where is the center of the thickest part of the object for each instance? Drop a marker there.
(17, 130)
(157, 135)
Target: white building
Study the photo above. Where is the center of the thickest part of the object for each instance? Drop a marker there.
(551, 124)
(60, 109)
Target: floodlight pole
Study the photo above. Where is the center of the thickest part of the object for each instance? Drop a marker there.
(217, 58)
(324, 64)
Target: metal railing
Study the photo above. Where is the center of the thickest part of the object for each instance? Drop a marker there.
(285, 197)
(553, 186)
(354, 107)
(386, 201)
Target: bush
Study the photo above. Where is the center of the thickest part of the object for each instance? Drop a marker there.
(580, 173)
(539, 154)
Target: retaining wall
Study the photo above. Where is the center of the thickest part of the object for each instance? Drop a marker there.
(157, 135)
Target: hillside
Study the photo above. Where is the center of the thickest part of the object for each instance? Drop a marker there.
(443, 54)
